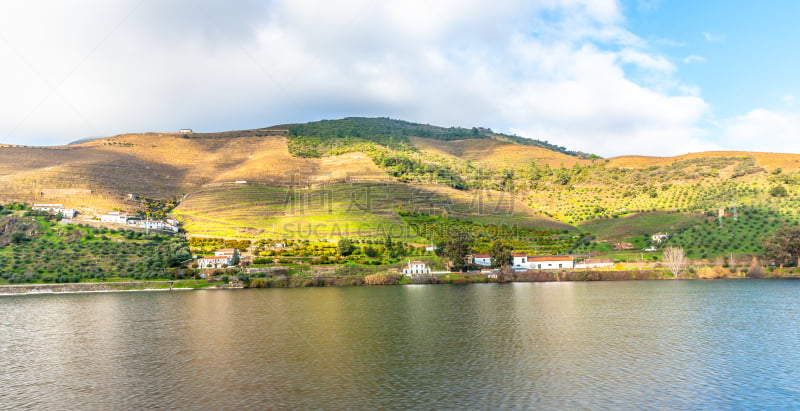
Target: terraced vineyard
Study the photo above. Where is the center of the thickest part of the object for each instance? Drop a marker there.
(689, 186)
(357, 209)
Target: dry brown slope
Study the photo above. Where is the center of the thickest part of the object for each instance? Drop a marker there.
(769, 161)
(100, 173)
(496, 154)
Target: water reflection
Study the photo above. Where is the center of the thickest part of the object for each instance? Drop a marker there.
(664, 345)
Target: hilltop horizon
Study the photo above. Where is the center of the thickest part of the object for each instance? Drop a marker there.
(731, 151)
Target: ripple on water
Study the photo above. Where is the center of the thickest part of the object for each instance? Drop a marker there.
(626, 345)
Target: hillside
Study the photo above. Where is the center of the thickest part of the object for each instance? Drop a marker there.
(35, 248)
(496, 154)
(352, 177)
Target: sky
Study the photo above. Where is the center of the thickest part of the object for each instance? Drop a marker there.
(611, 77)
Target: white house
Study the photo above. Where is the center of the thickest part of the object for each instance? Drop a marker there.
(416, 267)
(226, 252)
(149, 224)
(482, 259)
(550, 262)
(114, 217)
(519, 260)
(186, 131)
(659, 238)
(55, 209)
(67, 213)
(47, 207)
(213, 262)
(223, 256)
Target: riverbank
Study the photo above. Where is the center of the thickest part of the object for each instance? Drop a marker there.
(73, 288)
(345, 281)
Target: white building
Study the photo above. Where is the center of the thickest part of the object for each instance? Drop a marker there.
(220, 258)
(55, 209)
(67, 213)
(186, 131)
(482, 259)
(416, 267)
(149, 224)
(550, 262)
(114, 217)
(659, 238)
(519, 260)
(213, 262)
(47, 207)
(226, 252)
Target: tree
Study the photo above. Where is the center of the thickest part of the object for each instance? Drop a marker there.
(18, 237)
(345, 247)
(675, 259)
(778, 191)
(783, 246)
(235, 259)
(456, 249)
(388, 244)
(500, 253)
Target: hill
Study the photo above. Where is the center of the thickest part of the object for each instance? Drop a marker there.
(34, 248)
(352, 177)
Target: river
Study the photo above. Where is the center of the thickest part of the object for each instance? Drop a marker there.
(606, 345)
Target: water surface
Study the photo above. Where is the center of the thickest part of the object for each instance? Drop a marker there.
(608, 345)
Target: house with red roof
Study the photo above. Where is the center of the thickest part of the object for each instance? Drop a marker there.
(484, 260)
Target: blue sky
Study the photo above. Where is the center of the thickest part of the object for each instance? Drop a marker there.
(745, 52)
(611, 77)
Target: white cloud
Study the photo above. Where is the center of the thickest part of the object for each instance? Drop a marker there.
(780, 129)
(562, 70)
(712, 38)
(693, 59)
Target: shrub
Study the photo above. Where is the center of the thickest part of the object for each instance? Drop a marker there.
(710, 273)
(381, 279)
(755, 270)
